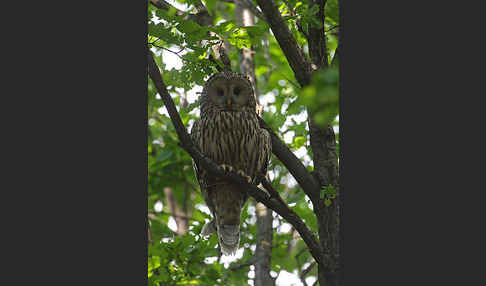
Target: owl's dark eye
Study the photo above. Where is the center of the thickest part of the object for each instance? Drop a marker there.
(236, 91)
(219, 92)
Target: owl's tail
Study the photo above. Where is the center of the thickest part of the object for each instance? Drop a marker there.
(229, 238)
(228, 201)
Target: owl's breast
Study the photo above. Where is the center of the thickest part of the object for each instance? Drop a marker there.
(229, 137)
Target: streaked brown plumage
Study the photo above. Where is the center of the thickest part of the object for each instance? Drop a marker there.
(228, 132)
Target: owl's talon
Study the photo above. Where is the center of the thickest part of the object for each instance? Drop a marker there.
(227, 168)
(241, 173)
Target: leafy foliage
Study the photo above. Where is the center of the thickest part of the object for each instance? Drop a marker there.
(187, 258)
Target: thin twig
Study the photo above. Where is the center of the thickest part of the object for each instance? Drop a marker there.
(249, 5)
(299, 266)
(241, 265)
(297, 21)
(211, 58)
(152, 216)
(332, 28)
(220, 254)
(200, 17)
(161, 4)
(308, 269)
(149, 233)
(175, 53)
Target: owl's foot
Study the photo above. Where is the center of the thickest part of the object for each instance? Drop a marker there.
(230, 169)
(226, 168)
(241, 173)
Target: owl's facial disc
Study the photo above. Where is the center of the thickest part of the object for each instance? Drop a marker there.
(229, 95)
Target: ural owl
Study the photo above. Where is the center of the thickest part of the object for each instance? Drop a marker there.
(228, 132)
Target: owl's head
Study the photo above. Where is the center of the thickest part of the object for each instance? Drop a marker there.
(228, 91)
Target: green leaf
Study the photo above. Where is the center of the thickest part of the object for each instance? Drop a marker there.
(153, 263)
(164, 156)
(331, 10)
(211, 6)
(299, 141)
(188, 27)
(322, 194)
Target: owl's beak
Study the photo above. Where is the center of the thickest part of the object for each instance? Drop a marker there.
(228, 101)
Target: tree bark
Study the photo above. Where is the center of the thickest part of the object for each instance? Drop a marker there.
(323, 144)
(317, 39)
(263, 251)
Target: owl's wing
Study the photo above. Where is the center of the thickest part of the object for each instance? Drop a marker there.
(196, 136)
(266, 151)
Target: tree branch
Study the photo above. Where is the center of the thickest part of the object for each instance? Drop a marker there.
(242, 265)
(249, 5)
(299, 266)
(149, 234)
(294, 54)
(161, 4)
(275, 204)
(153, 216)
(307, 270)
(202, 16)
(317, 38)
(303, 273)
(308, 183)
(252, 8)
(335, 59)
(297, 22)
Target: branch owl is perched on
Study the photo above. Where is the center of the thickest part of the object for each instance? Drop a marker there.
(228, 132)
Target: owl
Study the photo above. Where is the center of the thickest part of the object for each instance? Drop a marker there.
(228, 133)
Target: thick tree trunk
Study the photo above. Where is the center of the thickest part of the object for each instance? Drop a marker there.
(323, 144)
(317, 39)
(263, 252)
